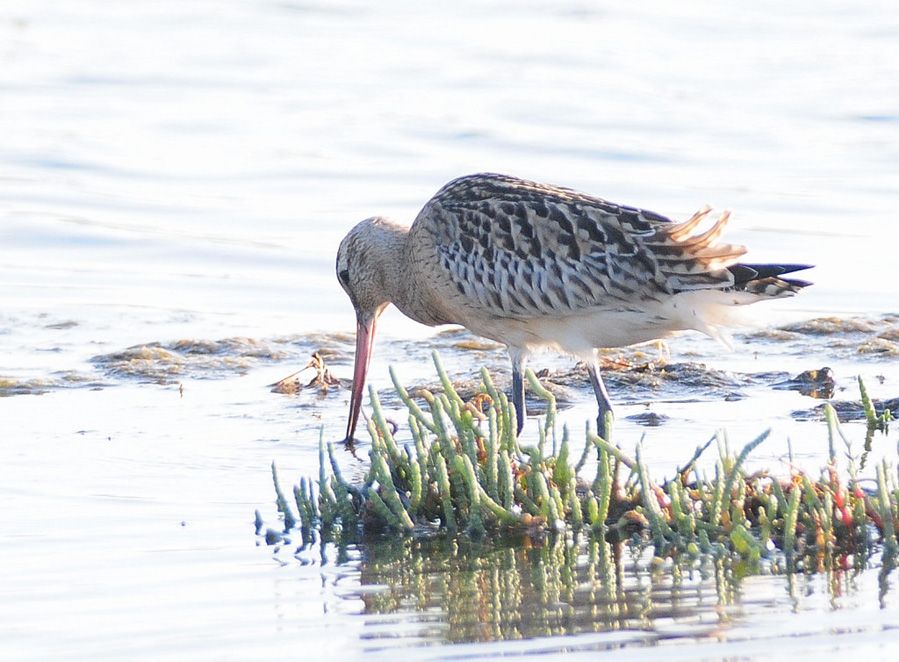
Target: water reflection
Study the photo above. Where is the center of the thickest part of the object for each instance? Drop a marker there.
(484, 593)
(463, 590)
(415, 592)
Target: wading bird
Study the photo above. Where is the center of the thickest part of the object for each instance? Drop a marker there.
(532, 265)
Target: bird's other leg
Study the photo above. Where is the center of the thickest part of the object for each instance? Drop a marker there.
(602, 397)
(519, 361)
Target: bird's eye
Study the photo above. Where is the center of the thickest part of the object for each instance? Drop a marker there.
(344, 276)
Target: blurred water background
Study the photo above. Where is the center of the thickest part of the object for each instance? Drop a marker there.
(175, 178)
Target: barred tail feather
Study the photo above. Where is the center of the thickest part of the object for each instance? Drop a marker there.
(764, 280)
(715, 311)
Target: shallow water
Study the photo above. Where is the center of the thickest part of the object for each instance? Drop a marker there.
(174, 180)
(573, 596)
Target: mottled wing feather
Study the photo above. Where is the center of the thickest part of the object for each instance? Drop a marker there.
(522, 249)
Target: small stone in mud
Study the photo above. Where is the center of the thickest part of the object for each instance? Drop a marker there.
(817, 383)
(648, 418)
(846, 410)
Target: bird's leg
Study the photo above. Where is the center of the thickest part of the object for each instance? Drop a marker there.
(519, 360)
(602, 397)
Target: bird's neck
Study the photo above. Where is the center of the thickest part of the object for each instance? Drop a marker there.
(402, 286)
(390, 249)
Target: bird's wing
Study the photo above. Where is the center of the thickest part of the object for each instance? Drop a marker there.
(522, 249)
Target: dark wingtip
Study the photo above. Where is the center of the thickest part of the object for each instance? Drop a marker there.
(743, 273)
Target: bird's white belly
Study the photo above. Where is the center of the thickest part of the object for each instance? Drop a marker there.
(628, 324)
(607, 328)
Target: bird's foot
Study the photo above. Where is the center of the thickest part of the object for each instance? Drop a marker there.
(349, 445)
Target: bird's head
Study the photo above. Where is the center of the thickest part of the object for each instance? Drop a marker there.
(362, 278)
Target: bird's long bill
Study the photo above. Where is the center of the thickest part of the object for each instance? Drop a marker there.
(365, 338)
